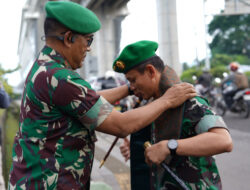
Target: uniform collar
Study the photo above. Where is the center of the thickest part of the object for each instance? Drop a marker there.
(57, 57)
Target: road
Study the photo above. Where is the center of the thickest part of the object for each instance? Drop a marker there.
(234, 167)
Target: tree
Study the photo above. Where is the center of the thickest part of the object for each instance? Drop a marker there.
(185, 66)
(224, 59)
(231, 35)
(9, 123)
(4, 81)
(187, 75)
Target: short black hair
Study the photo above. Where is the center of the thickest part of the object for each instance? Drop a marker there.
(156, 61)
(51, 25)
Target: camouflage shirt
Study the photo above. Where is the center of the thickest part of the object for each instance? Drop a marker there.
(199, 173)
(54, 146)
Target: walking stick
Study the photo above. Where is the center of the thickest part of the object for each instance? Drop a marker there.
(116, 139)
(167, 169)
(107, 155)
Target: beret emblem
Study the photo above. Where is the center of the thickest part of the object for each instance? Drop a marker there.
(120, 65)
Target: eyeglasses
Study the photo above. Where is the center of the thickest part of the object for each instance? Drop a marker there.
(89, 38)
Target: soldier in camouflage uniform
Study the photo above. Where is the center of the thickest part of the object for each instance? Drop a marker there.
(195, 130)
(54, 147)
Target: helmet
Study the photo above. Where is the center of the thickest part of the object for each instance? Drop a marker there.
(234, 66)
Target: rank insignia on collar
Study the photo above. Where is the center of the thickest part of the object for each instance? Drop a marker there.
(120, 65)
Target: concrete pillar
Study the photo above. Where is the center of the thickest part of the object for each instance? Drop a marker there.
(106, 42)
(168, 34)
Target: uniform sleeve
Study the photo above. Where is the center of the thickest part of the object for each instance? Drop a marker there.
(202, 115)
(75, 97)
(209, 122)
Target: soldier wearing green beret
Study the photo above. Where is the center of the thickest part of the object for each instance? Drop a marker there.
(185, 137)
(54, 147)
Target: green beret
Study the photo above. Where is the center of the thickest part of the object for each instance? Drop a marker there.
(73, 16)
(133, 55)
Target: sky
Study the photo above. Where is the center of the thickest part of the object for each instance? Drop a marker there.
(10, 19)
(191, 28)
(142, 13)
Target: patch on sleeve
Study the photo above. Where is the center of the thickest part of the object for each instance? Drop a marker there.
(97, 114)
(209, 121)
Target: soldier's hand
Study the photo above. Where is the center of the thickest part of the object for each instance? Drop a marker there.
(179, 93)
(156, 153)
(125, 149)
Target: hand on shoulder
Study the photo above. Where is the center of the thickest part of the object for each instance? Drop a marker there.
(179, 93)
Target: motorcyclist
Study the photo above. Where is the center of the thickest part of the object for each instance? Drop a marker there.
(205, 79)
(235, 81)
(204, 82)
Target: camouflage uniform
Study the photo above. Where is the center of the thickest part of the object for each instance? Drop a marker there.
(199, 173)
(54, 147)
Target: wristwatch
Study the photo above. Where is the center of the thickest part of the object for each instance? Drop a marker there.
(172, 146)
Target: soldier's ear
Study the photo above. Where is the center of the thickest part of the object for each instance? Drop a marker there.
(68, 38)
(151, 70)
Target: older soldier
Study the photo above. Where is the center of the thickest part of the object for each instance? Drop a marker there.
(185, 137)
(60, 112)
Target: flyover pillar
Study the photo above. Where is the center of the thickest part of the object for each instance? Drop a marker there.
(168, 34)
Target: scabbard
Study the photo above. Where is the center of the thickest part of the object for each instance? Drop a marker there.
(179, 180)
(168, 170)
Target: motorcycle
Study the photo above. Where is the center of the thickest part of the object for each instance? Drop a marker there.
(240, 105)
(208, 93)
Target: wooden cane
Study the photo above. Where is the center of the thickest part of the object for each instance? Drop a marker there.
(116, 139)
(167, 169)
(107, 155)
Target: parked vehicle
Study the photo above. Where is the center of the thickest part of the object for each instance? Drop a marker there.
(107, 82)
(110, 82)
(96, 82)
(102, 83)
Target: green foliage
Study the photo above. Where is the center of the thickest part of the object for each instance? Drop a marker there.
(242, 59)
(10, 128)
(231, 42)
(221, 59)
(185, 66)
(247, 73)
(216, 71)
(4, 81)
(231, 35)
(10, 123)
(188, 74)
(219, 65)
(224, 59)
